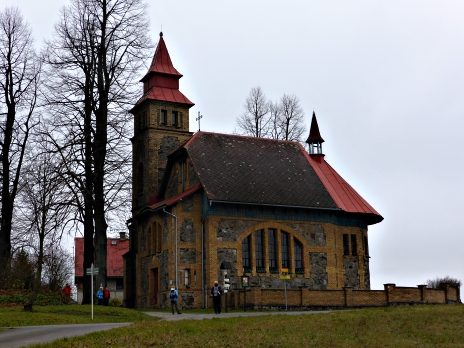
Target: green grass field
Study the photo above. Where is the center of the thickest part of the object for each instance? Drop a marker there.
(415, 326)
(68, 314)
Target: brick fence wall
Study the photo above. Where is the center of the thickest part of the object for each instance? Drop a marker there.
(391, 295)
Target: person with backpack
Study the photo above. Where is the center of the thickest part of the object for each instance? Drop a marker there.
(173, 295)
(100, 296)
(106, 297)
(216, 292)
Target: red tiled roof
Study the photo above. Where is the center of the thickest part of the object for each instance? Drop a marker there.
(114, 263)
(166, 94)
(172, 200)
(341, 192)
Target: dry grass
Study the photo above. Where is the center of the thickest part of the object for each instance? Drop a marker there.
(417, 326)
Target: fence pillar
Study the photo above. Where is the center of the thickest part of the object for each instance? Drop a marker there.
(388, 288)
(423, 289)
(348, 295)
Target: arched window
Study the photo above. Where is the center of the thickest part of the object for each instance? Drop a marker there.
(270, 249)
(156, 237)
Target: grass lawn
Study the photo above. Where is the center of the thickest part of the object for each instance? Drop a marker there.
(415, 326)
(69, 314)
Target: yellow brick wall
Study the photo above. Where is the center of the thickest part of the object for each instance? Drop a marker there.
(149, 134)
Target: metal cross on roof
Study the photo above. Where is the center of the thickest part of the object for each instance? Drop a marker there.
(198, 119)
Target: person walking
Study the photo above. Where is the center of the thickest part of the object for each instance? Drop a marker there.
(100, 296)
(67, 292)
(106, 297)
(216, 292)
(173, 296)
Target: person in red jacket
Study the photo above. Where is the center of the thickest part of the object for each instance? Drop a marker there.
(106, 297)
(67, 292)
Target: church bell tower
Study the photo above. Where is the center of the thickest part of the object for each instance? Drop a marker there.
(161, 124)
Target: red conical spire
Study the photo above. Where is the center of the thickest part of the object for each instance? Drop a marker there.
(315, 140)
(161, 63)
(161, 82)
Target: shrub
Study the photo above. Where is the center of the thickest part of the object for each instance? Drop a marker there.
(115, 302)
(435, 283)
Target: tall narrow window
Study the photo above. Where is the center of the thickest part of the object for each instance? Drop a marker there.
(298, 251)
(366, 246)
(272, 249)
(246, 261)
(187, 277)
(346, 245)
(164, 117)
(285, 251)
(259, 250)
(175, 118)
(156, 237)
(354, 245)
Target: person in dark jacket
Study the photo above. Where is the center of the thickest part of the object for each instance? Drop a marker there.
(216, 292)
(173, 295)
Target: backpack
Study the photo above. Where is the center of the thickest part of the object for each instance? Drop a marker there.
(172, 295)
(216, 291)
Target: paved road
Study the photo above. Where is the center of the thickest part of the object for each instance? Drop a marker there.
(27, 335)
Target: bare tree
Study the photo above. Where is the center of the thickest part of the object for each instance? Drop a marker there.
(96, 55)
(58, 267)
(44, 209)
(291, 118)
(275, 128)
(255, 121)
(19, 81)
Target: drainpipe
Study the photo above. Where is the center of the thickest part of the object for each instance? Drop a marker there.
(203, 269)
(175, 252)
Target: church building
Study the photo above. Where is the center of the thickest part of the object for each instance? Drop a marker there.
(209, 206)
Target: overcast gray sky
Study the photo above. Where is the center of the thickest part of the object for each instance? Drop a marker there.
(385, 78)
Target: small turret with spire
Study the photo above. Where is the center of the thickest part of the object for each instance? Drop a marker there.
(315, 140)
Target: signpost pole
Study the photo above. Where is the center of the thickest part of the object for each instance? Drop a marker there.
(284, 276)
(285, 290)
(91, 285)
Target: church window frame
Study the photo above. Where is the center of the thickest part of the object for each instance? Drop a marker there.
(163, 116)
(187, 277)
(246, 254)
(175, 118)
(298, 256)
(157, 237)
(285, 249)
(354, 245)
(272, 250)
(259, 251)
(281, 248)
(346, 244)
